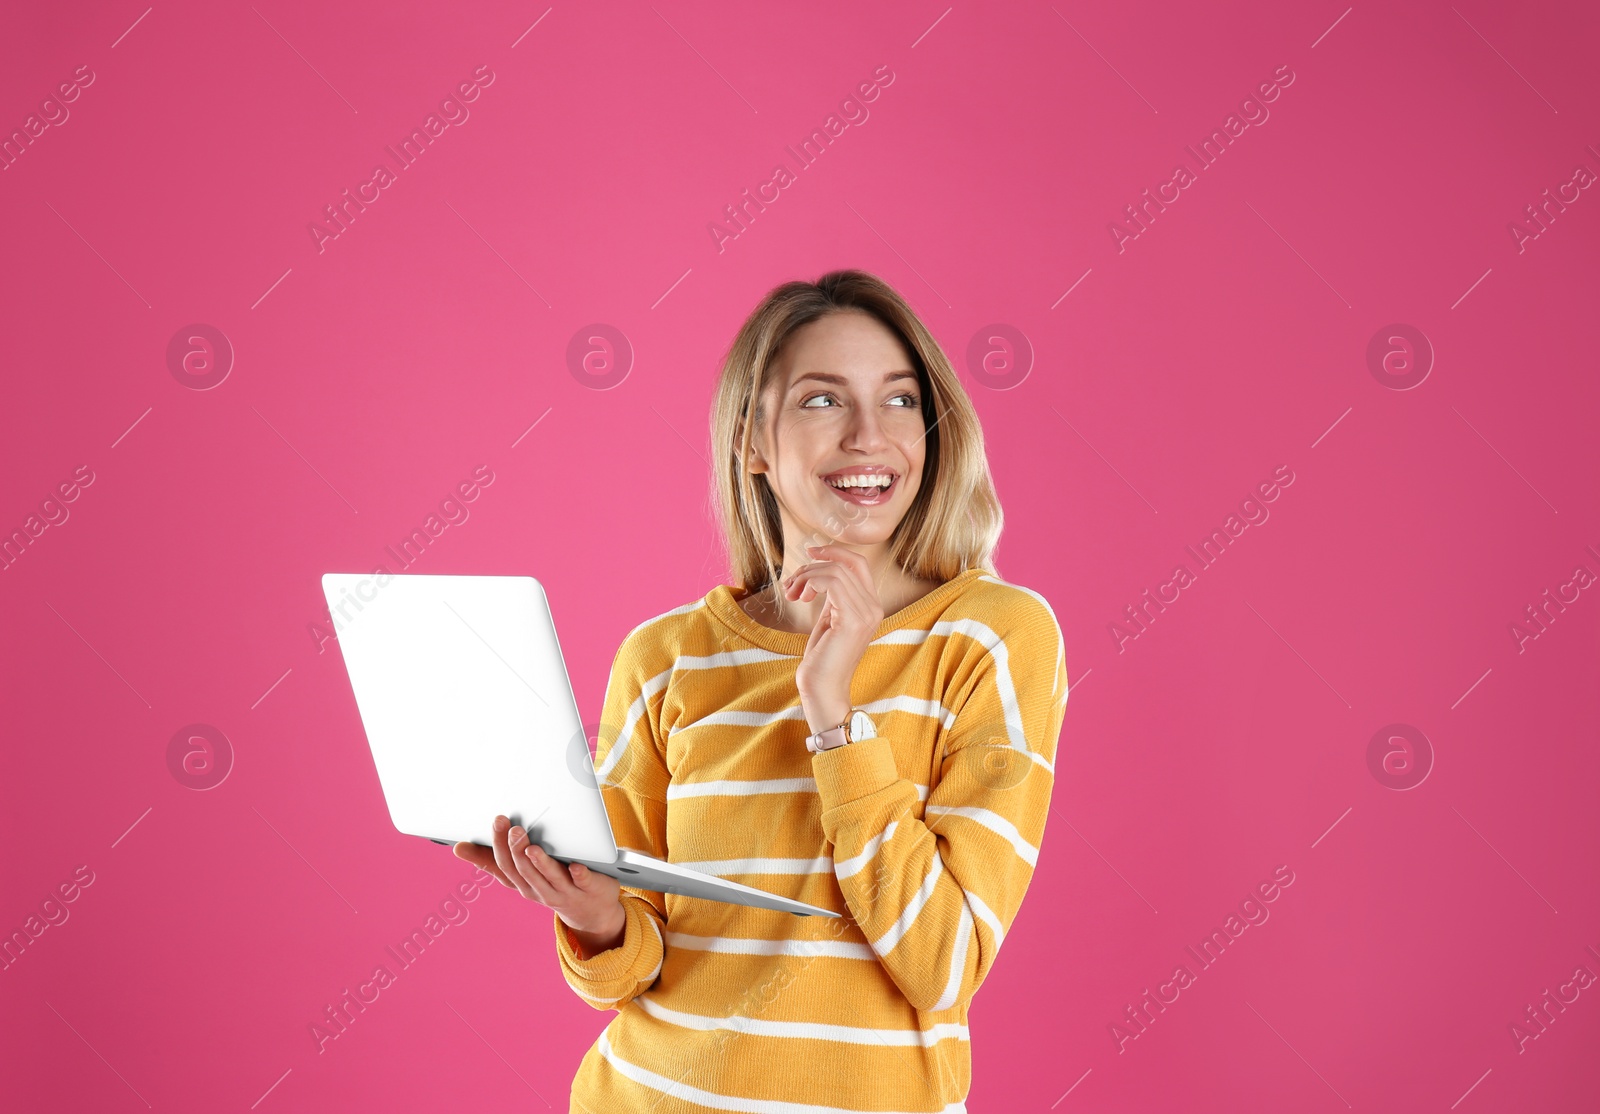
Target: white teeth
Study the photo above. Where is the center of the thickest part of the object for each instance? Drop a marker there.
(860, 481)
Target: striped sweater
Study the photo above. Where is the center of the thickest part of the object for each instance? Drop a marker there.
(924, 837)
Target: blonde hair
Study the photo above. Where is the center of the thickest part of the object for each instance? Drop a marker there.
(953, 523)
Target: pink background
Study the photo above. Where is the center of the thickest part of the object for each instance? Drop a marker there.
(1229, 338)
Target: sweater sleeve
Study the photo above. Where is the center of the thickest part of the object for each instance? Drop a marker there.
(935, 896)
(631, 769)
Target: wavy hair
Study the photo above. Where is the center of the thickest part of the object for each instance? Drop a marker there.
(954, 521)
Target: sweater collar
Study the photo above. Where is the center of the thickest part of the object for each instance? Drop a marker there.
(723, 602)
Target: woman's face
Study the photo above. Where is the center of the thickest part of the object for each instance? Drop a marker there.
(843, 416)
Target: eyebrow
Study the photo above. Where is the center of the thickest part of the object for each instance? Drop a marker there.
(825, 377)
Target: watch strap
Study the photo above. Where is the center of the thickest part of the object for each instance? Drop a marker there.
(857, 726)
(827, 739)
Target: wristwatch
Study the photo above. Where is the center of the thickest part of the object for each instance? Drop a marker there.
(858, 726)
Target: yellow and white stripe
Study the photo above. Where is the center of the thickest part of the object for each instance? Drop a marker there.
(725, 1008)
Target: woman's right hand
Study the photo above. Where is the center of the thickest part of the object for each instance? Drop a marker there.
(588, 903)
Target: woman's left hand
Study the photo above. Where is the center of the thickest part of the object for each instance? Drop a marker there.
(848, 620)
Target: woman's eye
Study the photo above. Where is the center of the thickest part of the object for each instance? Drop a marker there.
(905, 402)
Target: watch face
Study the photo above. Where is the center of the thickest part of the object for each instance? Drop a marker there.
(861, 726)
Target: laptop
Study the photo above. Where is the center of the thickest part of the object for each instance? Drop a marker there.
(470, 714)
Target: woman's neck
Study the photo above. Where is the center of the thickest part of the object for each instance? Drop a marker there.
(897, 590)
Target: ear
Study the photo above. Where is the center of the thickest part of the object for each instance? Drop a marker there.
(754, 463)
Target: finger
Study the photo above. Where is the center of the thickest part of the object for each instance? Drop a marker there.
(843, 590)
(835, 557)
(844, 555)
(814, 588)
(502, 856)
(543, 892)
(844, 599)
(483, 859)
(810, 565)
(592, 882)
(852, 561)
(857, 587)
(864, 589)
(817, 577)
(553, 875)
(806, 566)
(582, 877)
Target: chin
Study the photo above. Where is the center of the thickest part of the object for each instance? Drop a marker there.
(869, 531)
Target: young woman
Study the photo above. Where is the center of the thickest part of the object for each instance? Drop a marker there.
(866, 720)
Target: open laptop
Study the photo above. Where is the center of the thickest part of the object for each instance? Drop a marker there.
(470, 714)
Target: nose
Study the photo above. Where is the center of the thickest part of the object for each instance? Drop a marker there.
(865, 432)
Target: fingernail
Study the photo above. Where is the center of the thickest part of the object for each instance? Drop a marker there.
(517, 833)
(500, 823)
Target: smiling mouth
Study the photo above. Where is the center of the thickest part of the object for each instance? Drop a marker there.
(863, 489)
